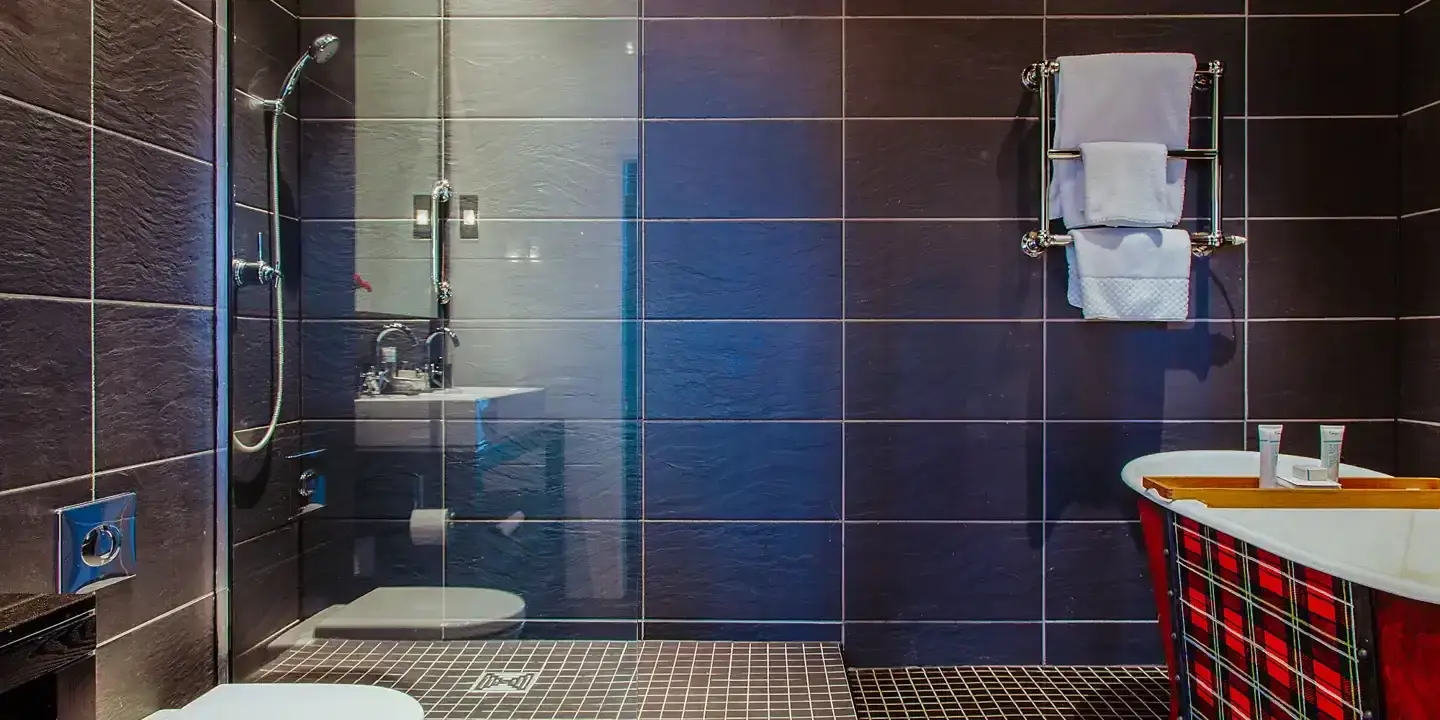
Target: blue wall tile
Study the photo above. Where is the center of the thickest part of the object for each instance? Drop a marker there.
(1097, 571)
(1085, 459)
(537, 562)
(942, 571)
(743, 270)
(901, 644)
(743, 68)
(943, 471)
(743, 471)
(1103, 644)
(944, 371)
(752, 169)
(561, 630)
(743, 632)
(762, 371)
(742, 571)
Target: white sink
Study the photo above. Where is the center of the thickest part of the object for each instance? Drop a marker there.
(455, 394)
(1204, 463)
(455, 403)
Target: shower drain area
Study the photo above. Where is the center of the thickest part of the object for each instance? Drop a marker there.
(552, 680)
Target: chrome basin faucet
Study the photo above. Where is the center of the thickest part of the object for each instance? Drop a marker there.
(436, 370)
(377, 379)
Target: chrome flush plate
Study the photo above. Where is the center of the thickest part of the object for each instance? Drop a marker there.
(96, 543)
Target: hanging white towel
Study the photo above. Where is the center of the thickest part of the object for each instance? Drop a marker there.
(1123, 97)
(1125, 185)
(1137, 274)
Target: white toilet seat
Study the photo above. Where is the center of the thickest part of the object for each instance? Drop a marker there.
(284, 701)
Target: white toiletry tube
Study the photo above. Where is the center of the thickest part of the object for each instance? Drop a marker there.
(1269, 454)
(1332, 439)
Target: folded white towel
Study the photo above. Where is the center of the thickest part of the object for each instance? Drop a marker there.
(1125, 185)
(1124, 97)
(1140, 274)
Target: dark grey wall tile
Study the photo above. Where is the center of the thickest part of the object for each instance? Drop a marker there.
(44, 410)
(263, 485)
(1420, 84)
(1418, 449)
(1350, 61)
(266, 574)
(991, 371)
(327, 567)
(1328, 6)
(1419, 370)
(164, 665)
(938, 270)
(155, 383)
(249, 229)
(366, 170)
(1145, 7)
(1097, 571)
(743, 270)
(1310, 269)
(205, 7)
(743, 169)
(1353, 376)
(891, 8)
(580, 366)
(28, 520)
(940, 168)
(45, 50)
(154, 74)
(907, 644)
(540, 169)
(939, 68)
(250, 161)
(555, 484)
(943, 471)
(742, 371)
(743, 68)
(533, 562)
(253, 373)
(254, 72)
(743, 471)
(154, 224)
(559, 68)
(742, 571)
(1419, 294)
(1371, 445)
(587, 630)
(932, 571)
(741, 8)
(535, 270)
(384, 69)
(1419, 149)
(332, 356)
(174, 535)
(743, 632)
(1103, 643)
(1217, 283)
(271, 36)
(1289, 179)
(1084, 462)
(1131, 371)
(45, 190)
(1208, 38)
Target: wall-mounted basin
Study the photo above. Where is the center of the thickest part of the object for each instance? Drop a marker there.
(458, 403)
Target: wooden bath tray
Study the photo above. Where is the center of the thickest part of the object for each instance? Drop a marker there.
(1355, 492)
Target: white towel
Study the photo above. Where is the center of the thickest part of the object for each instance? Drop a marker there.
(1125, 185)
(1139, 274)
(1127, 97)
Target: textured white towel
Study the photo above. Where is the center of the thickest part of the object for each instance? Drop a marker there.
(1139, 274)
(1125, 185)
(1125, 97)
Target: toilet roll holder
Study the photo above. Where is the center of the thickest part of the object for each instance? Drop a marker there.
(1040, 78)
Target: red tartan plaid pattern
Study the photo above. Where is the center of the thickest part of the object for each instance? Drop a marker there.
(1259, 637)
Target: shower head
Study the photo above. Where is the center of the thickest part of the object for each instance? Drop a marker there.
(324, 48)
(321, 50)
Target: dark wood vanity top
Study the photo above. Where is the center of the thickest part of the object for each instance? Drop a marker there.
(40, 634)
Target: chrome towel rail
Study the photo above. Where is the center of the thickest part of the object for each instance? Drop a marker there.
(1040, 78)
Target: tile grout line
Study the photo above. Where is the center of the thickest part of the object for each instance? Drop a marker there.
(641, 312)
(844, 299)
(94, 374)
(1044, 372)
(1245, 256)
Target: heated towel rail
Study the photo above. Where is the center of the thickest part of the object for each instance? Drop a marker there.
(1040, 78)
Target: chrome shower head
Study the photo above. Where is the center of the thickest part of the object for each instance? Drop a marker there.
(321, 50)
(324, 48)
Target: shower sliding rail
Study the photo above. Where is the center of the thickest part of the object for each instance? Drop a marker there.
(1040, 78)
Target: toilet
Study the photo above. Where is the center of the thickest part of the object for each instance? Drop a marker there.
(297, 702)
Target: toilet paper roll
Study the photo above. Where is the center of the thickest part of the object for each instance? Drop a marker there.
(428, 527)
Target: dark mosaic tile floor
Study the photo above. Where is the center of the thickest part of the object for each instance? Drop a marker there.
(1011, 693)
(543, 680)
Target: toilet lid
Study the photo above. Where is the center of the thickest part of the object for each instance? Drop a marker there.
(425, 613)
(302, 702)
